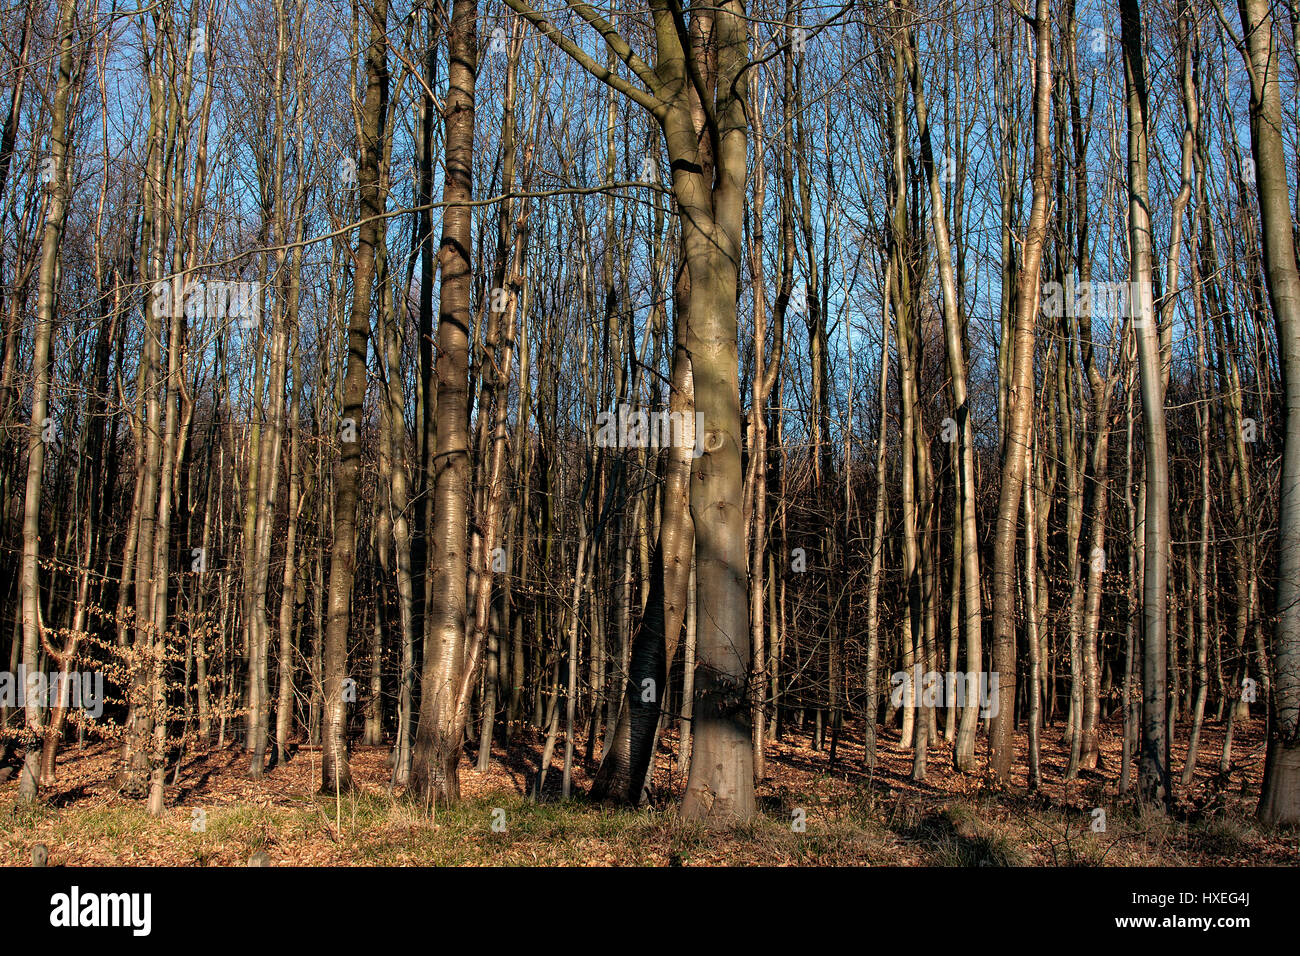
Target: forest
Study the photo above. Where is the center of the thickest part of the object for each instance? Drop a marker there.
(666, 433)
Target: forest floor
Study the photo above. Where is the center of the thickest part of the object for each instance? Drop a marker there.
(216, 816)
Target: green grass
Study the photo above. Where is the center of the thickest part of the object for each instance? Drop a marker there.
(862, 829)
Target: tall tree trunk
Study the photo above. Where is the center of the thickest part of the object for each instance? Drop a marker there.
(964, 752)
(336, 772)
(1280, 800)
(41, 426)
(720, 787)
(1015, 453)
(1153, 770)
(439, 736)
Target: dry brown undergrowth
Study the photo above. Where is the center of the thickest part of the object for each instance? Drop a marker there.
(217, 816)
